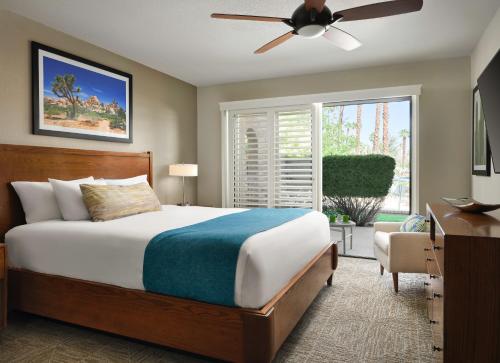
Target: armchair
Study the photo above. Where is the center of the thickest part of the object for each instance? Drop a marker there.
(399, 251)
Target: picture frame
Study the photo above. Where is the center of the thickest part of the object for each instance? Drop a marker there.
(481, 153)
(77, 98)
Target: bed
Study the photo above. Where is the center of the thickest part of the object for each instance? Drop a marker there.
(90, 273)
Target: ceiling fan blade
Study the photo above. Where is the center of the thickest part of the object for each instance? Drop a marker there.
(318, 5)
(342, 39)
(380, 10)
(273, 43)
(249, 17)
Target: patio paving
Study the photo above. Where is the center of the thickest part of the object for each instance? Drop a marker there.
(362, 243)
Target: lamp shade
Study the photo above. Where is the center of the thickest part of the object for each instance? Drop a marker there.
(183, 169)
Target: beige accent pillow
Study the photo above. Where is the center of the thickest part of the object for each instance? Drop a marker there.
(106, 202)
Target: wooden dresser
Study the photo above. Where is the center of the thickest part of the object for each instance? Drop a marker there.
(463, 286)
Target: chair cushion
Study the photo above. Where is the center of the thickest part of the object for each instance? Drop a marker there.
(381, 240)
(414, 223)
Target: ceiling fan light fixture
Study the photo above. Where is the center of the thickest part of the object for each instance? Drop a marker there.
(311, 31)
(313, 19)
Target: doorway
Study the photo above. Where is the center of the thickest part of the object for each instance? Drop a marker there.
(380, 126)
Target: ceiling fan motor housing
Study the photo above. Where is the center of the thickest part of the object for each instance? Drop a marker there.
(311, 23)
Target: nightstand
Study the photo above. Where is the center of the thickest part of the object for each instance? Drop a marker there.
(3, 286)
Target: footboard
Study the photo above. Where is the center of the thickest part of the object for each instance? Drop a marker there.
(231, 334)
(266, 330)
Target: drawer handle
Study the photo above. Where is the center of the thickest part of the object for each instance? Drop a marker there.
(436, 348)
(433, 276)
(433, 322)
(427, 249)
(429, 259)
(426, 284)
(429, 298)
(436, 248)
(436, 295)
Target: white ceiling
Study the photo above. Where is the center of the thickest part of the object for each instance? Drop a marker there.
(179, 37)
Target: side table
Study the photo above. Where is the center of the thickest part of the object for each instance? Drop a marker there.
(341, 227)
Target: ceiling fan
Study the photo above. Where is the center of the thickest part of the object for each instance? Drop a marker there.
(314, 19)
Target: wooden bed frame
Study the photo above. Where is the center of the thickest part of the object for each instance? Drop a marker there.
(231, 334)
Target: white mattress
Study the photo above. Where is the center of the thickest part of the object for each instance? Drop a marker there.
(112, 252)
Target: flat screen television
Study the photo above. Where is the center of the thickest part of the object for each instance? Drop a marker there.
(489, 88)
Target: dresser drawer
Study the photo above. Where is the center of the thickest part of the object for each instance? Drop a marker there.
(428, 297)
(437, 354)
(432, 266)
(436, 285)
(437, 310)
(434, 296)
(437, 322)
(438, 249)
(437, 337)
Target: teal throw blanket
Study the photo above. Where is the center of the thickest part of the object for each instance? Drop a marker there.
(199, 261)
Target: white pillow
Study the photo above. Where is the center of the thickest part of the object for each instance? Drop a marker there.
(38, 201)
(69, 197)
(128, 181)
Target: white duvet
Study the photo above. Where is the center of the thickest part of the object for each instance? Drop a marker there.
(112, 252)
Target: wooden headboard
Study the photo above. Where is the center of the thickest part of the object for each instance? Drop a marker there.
(35, 163)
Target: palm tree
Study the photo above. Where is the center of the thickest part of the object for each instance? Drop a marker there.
(385, 130)
(341, 116)
(358, 128)
(377, 128)
(404, 134)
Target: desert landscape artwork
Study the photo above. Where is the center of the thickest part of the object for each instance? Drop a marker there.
(74, 97)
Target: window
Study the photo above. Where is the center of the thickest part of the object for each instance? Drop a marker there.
(272, 148)
(271, 158)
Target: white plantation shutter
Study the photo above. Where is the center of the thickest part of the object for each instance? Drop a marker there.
(293, 162)
(270, 158)
(250, 160)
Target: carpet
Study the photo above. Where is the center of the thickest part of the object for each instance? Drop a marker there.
(358, 319)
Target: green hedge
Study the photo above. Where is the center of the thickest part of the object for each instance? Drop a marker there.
(363, 176)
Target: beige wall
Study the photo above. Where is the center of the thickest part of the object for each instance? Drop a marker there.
(444, 149)
(164, 108)
(486, 189)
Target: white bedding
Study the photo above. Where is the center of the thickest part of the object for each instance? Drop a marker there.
(112, 252)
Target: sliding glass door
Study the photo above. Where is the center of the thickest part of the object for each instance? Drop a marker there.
(372, 127)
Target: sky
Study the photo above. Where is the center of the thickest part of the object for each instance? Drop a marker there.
(91, 83)
(399, 118)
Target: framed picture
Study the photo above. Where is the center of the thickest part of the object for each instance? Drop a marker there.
(481, 154)
(75, 97)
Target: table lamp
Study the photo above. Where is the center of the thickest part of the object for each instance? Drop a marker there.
(183, 170)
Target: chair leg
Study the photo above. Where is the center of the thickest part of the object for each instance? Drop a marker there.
(381, 270)
(395, 281)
